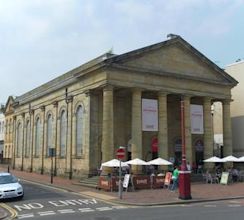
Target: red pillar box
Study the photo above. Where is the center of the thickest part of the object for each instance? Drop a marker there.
(184, 185)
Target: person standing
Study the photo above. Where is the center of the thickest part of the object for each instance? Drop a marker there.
(175, 178)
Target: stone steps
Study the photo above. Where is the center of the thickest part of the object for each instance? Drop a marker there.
(90, 182)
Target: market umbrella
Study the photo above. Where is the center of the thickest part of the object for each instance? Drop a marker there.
(114, 163)
(136, 161)
(159, 161)
(230, 159)
(241, 159)
(214, 159)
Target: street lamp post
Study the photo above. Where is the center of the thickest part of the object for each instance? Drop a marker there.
(184, 177)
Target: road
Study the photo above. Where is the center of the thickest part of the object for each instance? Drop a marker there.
(42, 202)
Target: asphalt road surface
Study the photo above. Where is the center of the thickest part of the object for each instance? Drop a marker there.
(41, 202)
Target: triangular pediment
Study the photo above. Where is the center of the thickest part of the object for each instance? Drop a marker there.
(176, 58)
(9, 105)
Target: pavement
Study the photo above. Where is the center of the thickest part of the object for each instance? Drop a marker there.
(200, 191)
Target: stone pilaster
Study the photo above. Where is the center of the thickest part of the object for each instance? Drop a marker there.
(69, 101)
(188, 138)
(14, 143)
(208, 131)
(43, 139)
(136, 145)
(55, 129)
(163, 126)
(108, 125)
(31, 112)
(227, 133)
(23, 143)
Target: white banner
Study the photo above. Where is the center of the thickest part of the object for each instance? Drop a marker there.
(149, 115)
(197, 119)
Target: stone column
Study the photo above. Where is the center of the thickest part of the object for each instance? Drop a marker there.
(208, 131)
(108, 126)
(163, 126)
(136, 145)
(188, 139)
(227, 133)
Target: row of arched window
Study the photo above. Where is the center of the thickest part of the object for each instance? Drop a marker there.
(50, 135)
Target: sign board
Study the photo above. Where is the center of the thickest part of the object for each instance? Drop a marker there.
(120, 153)
(224, 178)
(197, 119)
(149, 115)
(126, 180)
(167, 179)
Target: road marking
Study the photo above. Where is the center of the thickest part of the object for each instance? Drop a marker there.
(209, 206)
(234, 205)
(29, 215)
(12, 211)
(119, 207)
(104, 209)
(86, 210)
(63, 211)
(46, 213)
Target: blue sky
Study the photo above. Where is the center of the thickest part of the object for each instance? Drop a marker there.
(42, 39)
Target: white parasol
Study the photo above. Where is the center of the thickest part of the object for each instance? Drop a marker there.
(230, 159)
(214, 160)
(159, 161)
(241, 159)
(136, 161)
(114, 163)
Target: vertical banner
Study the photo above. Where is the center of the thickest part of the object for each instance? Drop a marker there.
(197, 119)
(149, 115)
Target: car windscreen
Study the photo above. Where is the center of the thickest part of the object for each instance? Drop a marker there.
(8, 179)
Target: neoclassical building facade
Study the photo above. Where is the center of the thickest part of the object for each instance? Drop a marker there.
(85, 114)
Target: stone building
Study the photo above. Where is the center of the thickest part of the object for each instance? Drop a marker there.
(237, 107)
(2, 129)
(8, 133)
(88, 112)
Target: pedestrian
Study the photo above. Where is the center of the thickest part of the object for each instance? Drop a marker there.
(188, 165)
(175, 178)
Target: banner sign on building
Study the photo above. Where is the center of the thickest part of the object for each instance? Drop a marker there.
(197, 119)
(149, 115)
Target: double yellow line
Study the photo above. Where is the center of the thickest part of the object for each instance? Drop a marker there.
(13, 212)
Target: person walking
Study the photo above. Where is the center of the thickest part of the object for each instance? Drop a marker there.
(175, 178)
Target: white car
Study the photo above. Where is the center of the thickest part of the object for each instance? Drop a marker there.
(10, 186)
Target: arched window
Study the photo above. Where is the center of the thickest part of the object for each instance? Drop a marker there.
(19, 140)
(49, 132)
(79, 131)
(27, 142)
(63, 124)
(37, 137)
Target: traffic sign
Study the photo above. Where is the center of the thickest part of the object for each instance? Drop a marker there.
(120, 153)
